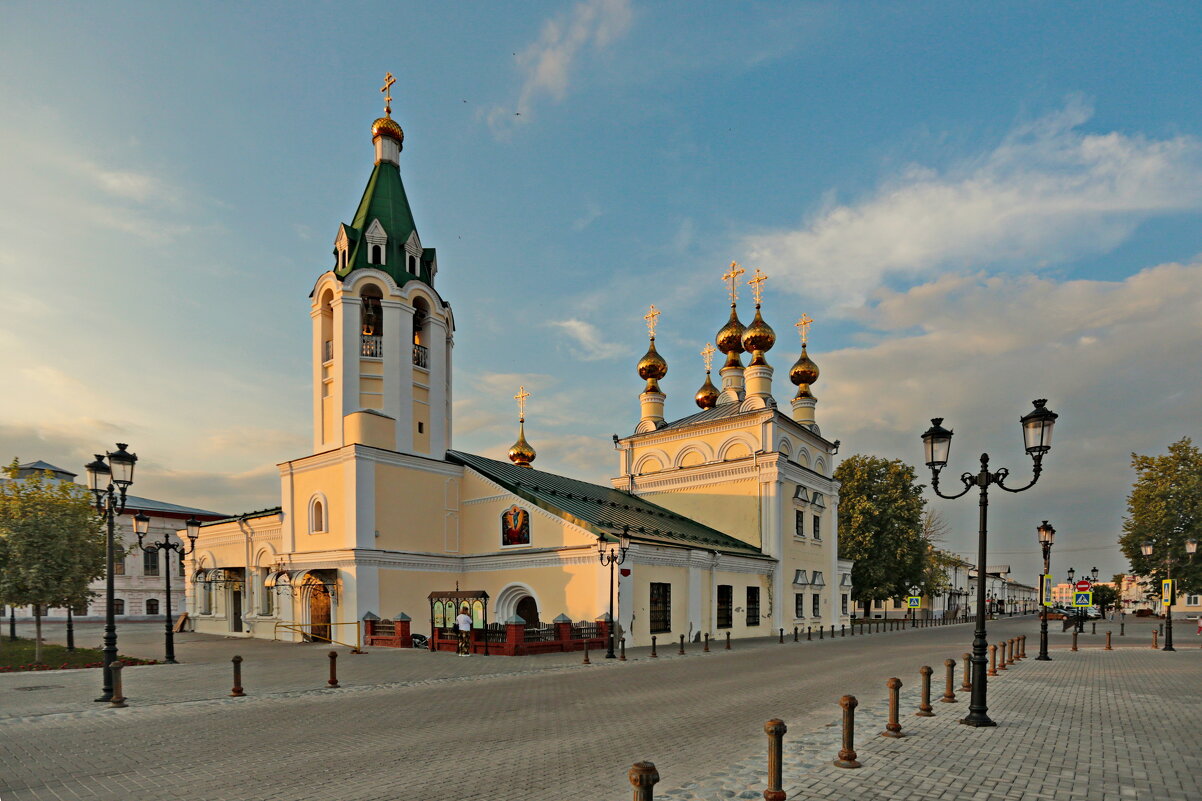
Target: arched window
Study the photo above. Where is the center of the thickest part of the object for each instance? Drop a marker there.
(412, 264)
(373, 322)
(376, 254)
(118, 606)
(152, 606)
(317, 515)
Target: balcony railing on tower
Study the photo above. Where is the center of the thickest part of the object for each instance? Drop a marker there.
(421, 356)
(373, 347)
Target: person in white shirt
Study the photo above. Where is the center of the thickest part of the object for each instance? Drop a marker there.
(464, 624)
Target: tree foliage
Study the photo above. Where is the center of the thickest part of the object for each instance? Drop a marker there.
(935, 580)
(51, 542)
(881, 526)
(1105, 597)
(1165, 508)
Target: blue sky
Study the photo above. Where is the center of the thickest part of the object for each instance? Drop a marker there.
(979, 203)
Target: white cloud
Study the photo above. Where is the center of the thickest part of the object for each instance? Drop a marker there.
(591, 212)
(589, 344)
(547, 64)
(1048, 193)
(1109, 355)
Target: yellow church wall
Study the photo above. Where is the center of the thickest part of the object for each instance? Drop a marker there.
(730, 507)
(405, 524)
(421, 427)
(326, 483)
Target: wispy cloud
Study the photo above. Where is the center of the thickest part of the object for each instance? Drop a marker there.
(547, 64)
(1047, 194)
(589, 345)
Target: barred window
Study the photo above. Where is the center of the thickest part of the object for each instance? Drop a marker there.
(799, 604)
(844, 602)
(150, 563)
(800, 523)
(726, 614)
(753, 606)
(817, 527)
(118, 606)
(661, 607)
(817, 605)
(152, 606)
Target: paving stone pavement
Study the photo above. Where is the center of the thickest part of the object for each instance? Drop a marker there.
(430, 727)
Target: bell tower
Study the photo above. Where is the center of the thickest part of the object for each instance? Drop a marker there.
(382, 335)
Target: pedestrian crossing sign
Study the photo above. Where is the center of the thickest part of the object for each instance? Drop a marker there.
(1082, 599)
(1047, 589)
(913, 602)
(1167, 592)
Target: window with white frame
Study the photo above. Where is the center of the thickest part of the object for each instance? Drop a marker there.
(817, 608)
(318, 515)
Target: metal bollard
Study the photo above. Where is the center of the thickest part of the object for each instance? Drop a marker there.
(1160, 628)
(949, 694)
(1075, 642)
(1022, 646)
(1010, 646)
(924, 709)
(782, 636)
(643, 778)
(1123, 629)
(728, 640)
(966, 685)
(706, 649)
(118, 699)
(832, 631)
(775, 729)
(236, 692)
(681, 651)
(1001, 663)
(586, 660)
(1108, 648)
(853, 628)
(1093, 628)
(622, 653)
(809, 634)
(847, 754)
(992, 661)
(842, 633)
(893, 727)
(654, 655)
(821, 632)
(794, 634)
(333, 682)
(1155, 641)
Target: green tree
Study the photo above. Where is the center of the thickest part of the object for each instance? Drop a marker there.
(881, 527)
(1165, 508)
(51, 544)
(1104, 597)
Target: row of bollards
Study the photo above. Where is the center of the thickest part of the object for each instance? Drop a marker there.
(643, 776)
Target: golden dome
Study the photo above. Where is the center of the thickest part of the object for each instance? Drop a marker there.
(521, 453)
(387, 126)
(729, 336)
(758, 337)
(707, 396)
(803, 372)
(652, 366)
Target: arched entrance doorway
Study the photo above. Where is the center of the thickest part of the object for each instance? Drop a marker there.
(527, 610)
(319, 613)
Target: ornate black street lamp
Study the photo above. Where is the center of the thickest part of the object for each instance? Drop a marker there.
(109, 483)
(1191, 547)
(613, 556)
(1046, 535)
(166, 545)
(937, 441)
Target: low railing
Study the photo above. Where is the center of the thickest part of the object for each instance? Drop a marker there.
(421, 356)
(373, 347)
(584, 630)
(543, 633)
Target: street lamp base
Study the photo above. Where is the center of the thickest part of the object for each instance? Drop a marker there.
(1042, 658)
(611, 656)
(1168, 648)
(978, 721)
(170, 662)
(104, 699)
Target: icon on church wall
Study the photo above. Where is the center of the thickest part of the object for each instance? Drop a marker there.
(515, 526)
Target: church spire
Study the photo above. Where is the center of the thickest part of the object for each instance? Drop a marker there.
(522, 454)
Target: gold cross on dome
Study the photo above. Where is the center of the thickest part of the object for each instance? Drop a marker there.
(650, 318)
(387, 90)
(757, 285)
(803, 325)
(521, 399)
(707, 353)
(732, 275)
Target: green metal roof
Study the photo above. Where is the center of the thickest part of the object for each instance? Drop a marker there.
(385, 200)
(603, 509)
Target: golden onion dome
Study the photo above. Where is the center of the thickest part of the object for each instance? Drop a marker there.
(521, 453)
(707, 396)
(387, 126)
(758, 337)
(729, 337)
(652, 366)
(803, 372)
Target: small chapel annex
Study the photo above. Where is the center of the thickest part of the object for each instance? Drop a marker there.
(730, 513)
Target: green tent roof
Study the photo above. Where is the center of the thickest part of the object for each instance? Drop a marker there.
(602, 509)
(385, 200)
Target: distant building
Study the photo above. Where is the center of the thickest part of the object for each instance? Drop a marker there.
(138, 580)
